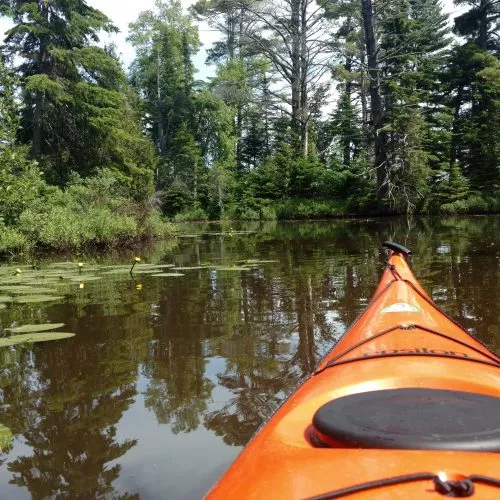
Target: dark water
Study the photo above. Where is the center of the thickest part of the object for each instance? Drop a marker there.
(167, 378)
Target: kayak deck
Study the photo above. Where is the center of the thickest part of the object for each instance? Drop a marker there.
(402, 342)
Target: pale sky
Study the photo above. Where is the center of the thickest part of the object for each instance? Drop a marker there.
(123, 12)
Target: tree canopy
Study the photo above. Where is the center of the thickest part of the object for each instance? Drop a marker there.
(364, 108)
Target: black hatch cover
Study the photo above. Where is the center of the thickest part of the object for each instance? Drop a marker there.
(424, 419)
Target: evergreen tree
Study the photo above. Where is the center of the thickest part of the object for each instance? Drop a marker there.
(162, 73)
(77, 114)
(51, 37)
(473, 80)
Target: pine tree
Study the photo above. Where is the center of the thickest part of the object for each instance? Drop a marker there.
(162, 73)
(78, 114)
(50, 36)
(473, 80)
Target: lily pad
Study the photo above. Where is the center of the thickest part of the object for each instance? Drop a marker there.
(63, 264)
(35, 299)
(167, 275)
(258, 261)
(231, 268)
(61, 273)
(193, 268)
(31, 338)
(3, 306)
(35, 328)
(31, 291)
(5, 436)
(5, 298)
(10, 288)
(118, 271)
(82, 279)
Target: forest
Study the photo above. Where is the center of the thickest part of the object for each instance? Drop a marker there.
(317, 108)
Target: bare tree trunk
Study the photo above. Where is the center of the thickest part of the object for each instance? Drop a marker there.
(36, 144)
(231, 36)
(195, 181)
(346, 146)
(296, 70)
(160, 143)
(364, 104)
(267, 98)
(377, 112)
(304, 102)
(483, 24)
(454, 130)
(239, 112)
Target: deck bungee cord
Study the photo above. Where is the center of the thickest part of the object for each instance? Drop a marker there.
(455, 489)
(336, 361)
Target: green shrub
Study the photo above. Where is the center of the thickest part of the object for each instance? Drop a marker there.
(11, 240)
(268, 213)
(20, 185)
(476, 204)
(175, 201)
(102, 226)
(63, 227)
(309, 209)
(155, 226)
(191, 214)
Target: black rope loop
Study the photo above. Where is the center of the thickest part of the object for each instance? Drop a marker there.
(456, 489)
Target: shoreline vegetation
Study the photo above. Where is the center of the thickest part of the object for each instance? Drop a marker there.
(316, 110)
(114, 222)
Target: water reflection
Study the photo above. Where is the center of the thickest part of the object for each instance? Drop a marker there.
(206, 359)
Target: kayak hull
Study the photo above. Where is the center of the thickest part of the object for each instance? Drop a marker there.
(402, 341)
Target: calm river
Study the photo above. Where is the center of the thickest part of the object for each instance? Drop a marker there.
(168, 377)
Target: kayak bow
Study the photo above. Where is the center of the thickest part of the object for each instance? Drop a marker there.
(406, 405)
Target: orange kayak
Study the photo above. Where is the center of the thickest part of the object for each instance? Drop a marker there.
(406, 405)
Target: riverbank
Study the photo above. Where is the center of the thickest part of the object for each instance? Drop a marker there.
(124, 223)
(97, 212)
(316, 208)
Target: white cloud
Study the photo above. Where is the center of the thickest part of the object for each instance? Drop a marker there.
(123, 13)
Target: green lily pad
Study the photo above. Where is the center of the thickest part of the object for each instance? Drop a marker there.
(31, 338)
(65, 274)
(167, 275)
(82, 279)
(118, 271)
(35, 328)
(193, 268)
(35, 299)
(21, 288)
(3, 306)
(32, 291)
(230, 268)
(5, 436)
(258, 261)
(63, 264)
(5, 298)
